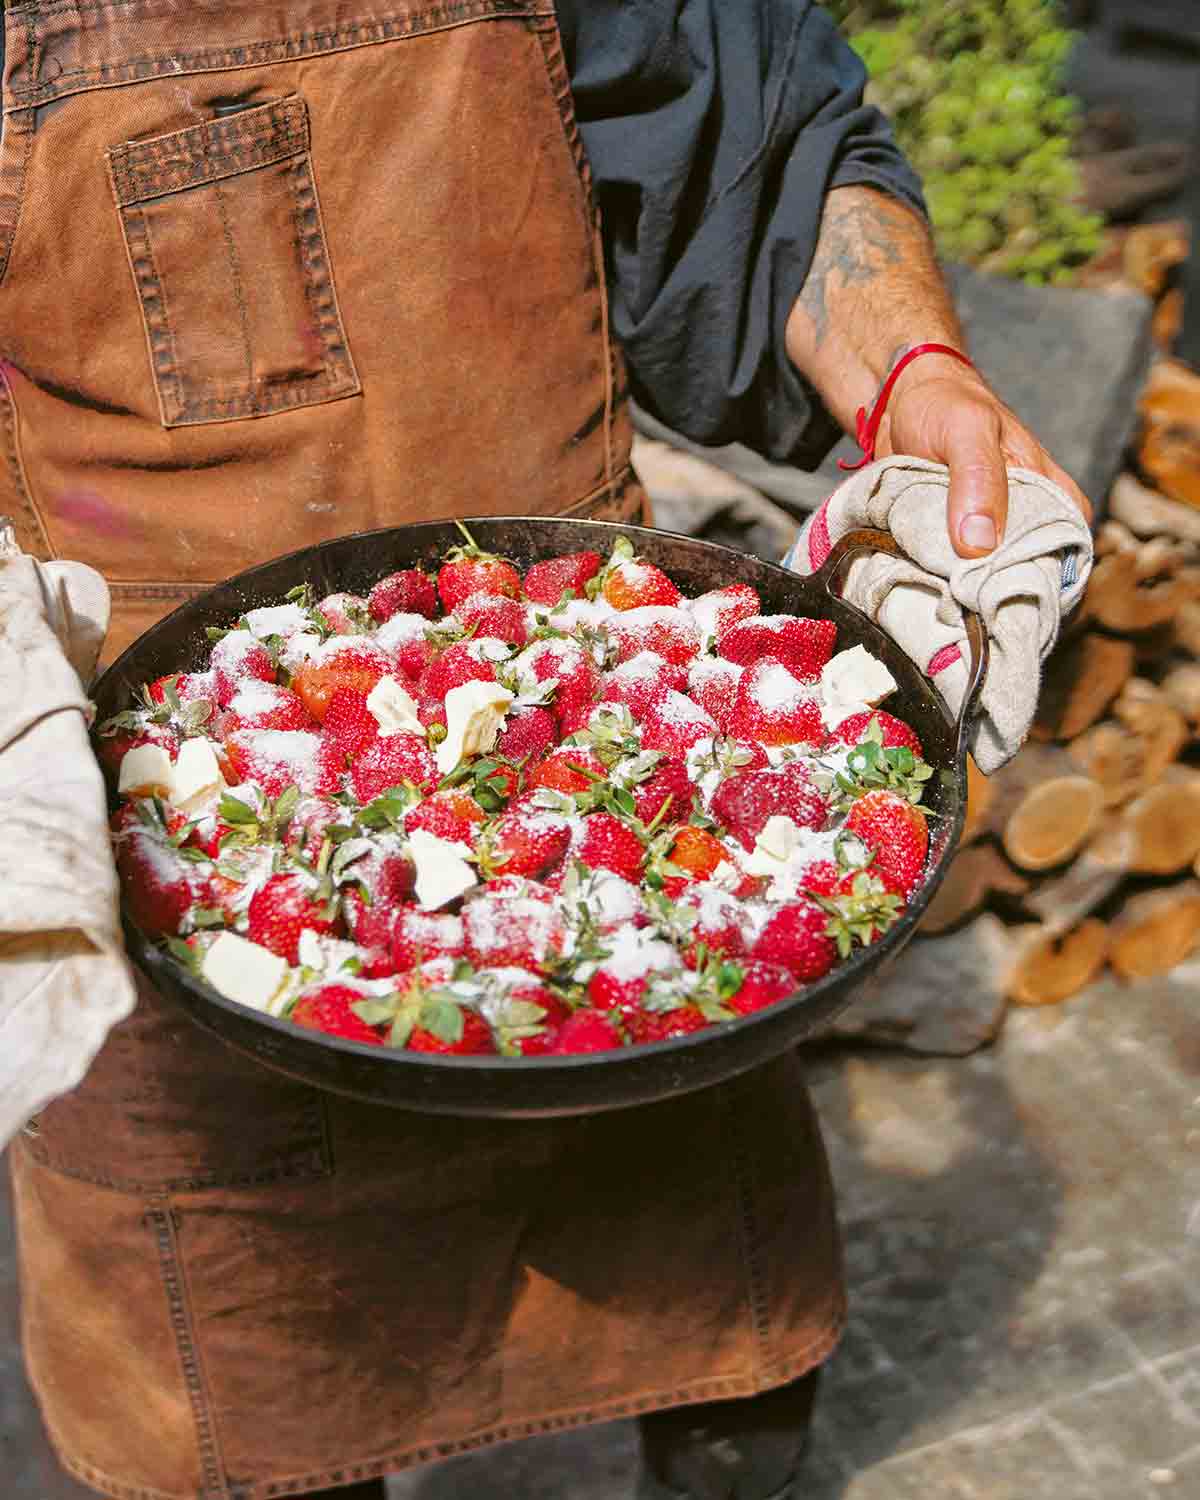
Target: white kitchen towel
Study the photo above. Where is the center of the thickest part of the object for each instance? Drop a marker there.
(64, 979)
(1022, 590)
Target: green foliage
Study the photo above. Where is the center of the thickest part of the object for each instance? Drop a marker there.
(973, 88)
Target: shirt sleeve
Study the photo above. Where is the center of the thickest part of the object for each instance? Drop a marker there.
(714, 129)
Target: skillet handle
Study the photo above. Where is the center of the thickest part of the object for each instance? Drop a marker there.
(831, 574)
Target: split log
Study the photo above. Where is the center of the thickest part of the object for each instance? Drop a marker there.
(1149, 251)
(1162, 827)
(976, 874)
(1169, 448)
(1181, 689)
(1087, 883)
(1167, 320)
(1110, 755)
(1131, 592)
(1156, 930)
(1053, 966)
(1053, 822)
(1144, 512)
(1146, 711)
(1186, 629)
(980, 796)
(1114, 536)
(1082, 678)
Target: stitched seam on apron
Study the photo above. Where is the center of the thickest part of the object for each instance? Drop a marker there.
(33, 524)
(8, 230)
(733, 1096)
(163, 1224)
(350, 34)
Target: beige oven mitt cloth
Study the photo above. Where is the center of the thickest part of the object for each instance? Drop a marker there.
(1022, 590)
(64, 980)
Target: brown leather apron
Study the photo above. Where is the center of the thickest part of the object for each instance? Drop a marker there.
(276, 270)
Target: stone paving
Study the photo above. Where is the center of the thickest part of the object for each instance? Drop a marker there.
(1023, 1240)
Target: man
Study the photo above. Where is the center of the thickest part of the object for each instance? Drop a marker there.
(274, 273)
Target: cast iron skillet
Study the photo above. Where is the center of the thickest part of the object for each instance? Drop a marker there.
(530, 1087)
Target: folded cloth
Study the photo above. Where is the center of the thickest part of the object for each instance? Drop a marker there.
(64, 980)
(1022, 590)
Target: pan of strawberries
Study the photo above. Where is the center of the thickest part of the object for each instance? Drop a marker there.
(524, 816)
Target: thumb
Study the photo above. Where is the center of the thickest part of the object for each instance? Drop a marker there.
(977, 508)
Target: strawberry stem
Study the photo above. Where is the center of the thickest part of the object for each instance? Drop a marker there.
(471, 542)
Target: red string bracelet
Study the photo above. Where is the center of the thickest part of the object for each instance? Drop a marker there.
(867, 428)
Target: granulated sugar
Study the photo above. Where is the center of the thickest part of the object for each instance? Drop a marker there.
(276, 619)
(401, 630)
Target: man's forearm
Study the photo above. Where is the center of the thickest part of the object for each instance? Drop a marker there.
(874, 289)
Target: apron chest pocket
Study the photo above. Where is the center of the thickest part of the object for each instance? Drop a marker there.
(228, 255)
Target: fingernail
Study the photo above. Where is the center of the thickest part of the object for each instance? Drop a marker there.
(978, 532)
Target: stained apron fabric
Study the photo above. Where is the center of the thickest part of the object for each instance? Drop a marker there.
(273, 273)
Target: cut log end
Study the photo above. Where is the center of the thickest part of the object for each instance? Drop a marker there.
(1156, 930)
(1053, 822)
(1054, 966)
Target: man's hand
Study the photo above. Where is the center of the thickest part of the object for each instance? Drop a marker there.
(941, 410)
(873, 290)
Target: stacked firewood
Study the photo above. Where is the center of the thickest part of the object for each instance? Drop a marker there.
(1089, 840)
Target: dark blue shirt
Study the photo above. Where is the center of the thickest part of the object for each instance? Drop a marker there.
(714, 129)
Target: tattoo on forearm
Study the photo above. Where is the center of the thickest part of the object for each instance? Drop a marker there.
(858, 240)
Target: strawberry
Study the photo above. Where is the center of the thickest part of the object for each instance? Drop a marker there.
(311, 820)
(802, 645)
(160, 887)
(525, 844)
(745, 802)
(892, 731)
(546, 582)
(524, 1032)
(345, 614)
(492, 617)
(392, 761)
(405, 638)
(666, 631)
(609, 991)
(419, 936)
(452, 815)
(188, 687)
(628, 583)
(265, 705)
(349, 723)
(275, 759)
(571, 668)
(411, 591)
(605, 843)
(518, 932)
(369, 923)
(474, 1039)
(641, 679)
(668, 783)
(820, 878)
(282, 908)
(236, 657)
(577, 718)
(762, 984)
(674, 723)
(773, 707)
(718, 928)
(469, 570)
(456, 665)
(343, 661)
(797, 938)
(712, 683)
(661, 1025)
(329, 1008)
(697, 852)
(865, 905)
(720, 609)
(573, 769)
(897, 832)
(586, 1031)
(527, 736)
